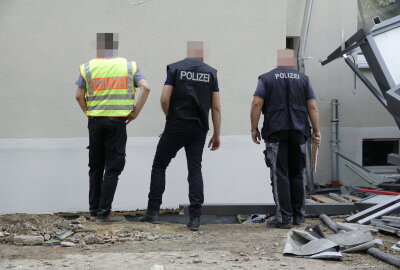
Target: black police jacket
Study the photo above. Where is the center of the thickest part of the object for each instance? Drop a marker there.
(285, 105)
(191, 97)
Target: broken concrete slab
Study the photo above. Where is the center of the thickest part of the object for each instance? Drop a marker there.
(67, 244)
(81, 228)
(65, 226)
(157, 267)
(28, 240)
(371, 244)
(79, 220)
(396, 246)
(351, 238)
(303, 244)
(63, 235)
(94, 240)
(51, 243)
(355, 227)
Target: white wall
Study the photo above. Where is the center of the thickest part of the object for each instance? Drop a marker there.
(44, 41)
(50, 175)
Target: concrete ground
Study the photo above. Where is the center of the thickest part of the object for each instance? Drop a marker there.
(133, 245)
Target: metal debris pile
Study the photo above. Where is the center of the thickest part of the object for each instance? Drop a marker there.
(388, 224)
(358, 234)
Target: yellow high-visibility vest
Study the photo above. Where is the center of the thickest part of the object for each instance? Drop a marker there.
(110, 87)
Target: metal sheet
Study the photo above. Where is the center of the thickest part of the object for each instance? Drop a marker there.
(384, 211)
(373, 209)
(376, 199)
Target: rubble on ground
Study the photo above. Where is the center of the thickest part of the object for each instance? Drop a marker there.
(51, 230)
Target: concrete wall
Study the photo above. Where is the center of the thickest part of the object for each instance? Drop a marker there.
(43, 156)
(294, 17)
(43, 43)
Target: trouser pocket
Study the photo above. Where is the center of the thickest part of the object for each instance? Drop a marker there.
(270, 153)
(116, 161)
(267, 159)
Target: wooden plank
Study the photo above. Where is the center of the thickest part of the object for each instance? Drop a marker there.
(322, 199)
(351, 197)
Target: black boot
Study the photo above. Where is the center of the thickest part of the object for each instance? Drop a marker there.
(151, 216)
(274, 223)
(194, 223)
(298, 220)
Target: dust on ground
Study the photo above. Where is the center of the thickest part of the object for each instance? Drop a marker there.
(133, 245)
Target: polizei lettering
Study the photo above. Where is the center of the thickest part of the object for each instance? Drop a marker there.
(194, 76)
(287, 75)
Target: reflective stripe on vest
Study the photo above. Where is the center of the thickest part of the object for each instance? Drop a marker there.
(109, 84)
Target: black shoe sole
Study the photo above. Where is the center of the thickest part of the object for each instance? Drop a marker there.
(152, 221)
(298, 223)
(193, 229)
(149, 221)
(279, 226)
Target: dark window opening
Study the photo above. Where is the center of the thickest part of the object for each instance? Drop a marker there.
(290, 43)
(375, 151)
(368, 9)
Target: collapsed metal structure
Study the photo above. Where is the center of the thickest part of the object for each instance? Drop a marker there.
(379, 44)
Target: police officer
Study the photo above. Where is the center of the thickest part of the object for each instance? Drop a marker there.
(106, 94)
(190, 90)
(287, 100)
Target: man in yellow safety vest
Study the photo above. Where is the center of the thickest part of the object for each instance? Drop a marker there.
(106, 94)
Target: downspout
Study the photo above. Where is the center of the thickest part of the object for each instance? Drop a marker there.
(304, 34)
(302, 58)
(335, 148)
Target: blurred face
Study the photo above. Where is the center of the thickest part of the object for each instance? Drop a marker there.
(107, 44)
(195, 49)
(286, 58)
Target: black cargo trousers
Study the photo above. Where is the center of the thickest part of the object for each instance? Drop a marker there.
(107, 143)
(192, 138)
(285, 155)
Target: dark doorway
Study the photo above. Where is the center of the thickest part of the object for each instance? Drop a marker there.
(375, 151)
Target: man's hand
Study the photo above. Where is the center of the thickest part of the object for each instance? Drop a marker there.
(130, 117)
(316, 138)
(255, 112)
(256, 136)
(80, 97)
(144, 93)
(214, 143)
